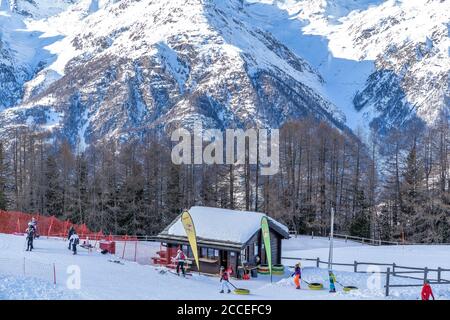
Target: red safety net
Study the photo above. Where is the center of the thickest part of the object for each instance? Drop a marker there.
(17, 222)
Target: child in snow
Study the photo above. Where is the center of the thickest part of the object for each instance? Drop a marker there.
(297, 275)
(180, 258)
(74, 240)
(426, 291)
(332, 281)
(224, 280)
(30, 236)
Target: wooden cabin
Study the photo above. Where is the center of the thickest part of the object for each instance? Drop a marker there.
(228, 238)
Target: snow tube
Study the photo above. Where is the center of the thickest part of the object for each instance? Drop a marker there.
(241, 291)
(278, 269)
(315, 286)
(263, 269)
(349, 288)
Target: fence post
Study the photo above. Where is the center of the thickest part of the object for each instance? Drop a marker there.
(393, 269)
(135, 249)
(312, 234)
(54, 274)
(346, 238)
(439, 275)
(355, 267)
(124, 246)
(388, 274)
(318, 262)
(425, 274)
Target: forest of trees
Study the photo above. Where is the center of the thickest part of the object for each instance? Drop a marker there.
(388, 187)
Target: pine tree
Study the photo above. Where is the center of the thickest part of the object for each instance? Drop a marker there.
(413, 195)
(3, 199)
(53, 190)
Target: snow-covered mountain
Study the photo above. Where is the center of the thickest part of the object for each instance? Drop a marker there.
(115, 68)
(94, 69)
(383, 61)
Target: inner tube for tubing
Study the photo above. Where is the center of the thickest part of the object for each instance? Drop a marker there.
(315, 286)
(278, 269)
(263, 269)
(349, 288)
(241, 291)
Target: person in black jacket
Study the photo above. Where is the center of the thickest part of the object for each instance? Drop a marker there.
(30, 236)
(71, 232)
(74, 240)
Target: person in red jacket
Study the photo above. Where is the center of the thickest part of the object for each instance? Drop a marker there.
(426, 291)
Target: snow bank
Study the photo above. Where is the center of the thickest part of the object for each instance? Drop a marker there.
(25, 288)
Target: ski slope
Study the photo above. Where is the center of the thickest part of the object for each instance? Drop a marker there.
(101, 279)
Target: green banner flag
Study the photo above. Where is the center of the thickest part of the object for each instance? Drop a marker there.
(266, 237)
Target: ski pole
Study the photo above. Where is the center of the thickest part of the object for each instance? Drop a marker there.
(340, 284)
(232, 284)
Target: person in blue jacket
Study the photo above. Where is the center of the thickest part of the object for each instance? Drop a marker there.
(332, 281)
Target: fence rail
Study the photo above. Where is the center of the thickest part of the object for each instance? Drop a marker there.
(368, 241)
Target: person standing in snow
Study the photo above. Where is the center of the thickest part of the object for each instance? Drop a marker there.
(332, 281)
(180, 258)
(426, 291)
(30, 236)
(33, 222)
(297, 275)
(71, 232)
(74, 240)
(224, 280)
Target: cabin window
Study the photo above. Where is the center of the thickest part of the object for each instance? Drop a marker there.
(187, 250)
(209, 253)
(255, 249)
(212, 254)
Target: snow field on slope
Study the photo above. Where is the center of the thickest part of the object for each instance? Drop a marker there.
(101, 279)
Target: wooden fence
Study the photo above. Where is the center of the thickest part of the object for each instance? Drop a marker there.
(392, 270)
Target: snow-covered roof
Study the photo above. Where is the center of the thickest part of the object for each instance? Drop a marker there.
(223, 225)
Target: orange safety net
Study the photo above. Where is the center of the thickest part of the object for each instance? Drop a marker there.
(17, 222)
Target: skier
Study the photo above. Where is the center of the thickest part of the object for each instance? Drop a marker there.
(71, 232)
(297, 275)
(426, 291)
(332, 281)
(180, 258)
(74, 240)
(30, 236)
(33, 222)
(224, 280)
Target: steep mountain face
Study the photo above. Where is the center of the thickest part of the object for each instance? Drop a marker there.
(385, 62)
(118, 68)
(99, 69)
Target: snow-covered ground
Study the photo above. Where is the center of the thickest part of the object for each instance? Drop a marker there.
(101, 279)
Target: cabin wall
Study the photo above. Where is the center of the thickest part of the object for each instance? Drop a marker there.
(275, 246)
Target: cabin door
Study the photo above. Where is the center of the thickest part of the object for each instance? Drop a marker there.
(224, 258)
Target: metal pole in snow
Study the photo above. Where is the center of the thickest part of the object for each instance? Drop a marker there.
(330, 254)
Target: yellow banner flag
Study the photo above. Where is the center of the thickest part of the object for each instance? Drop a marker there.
(189, 227)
